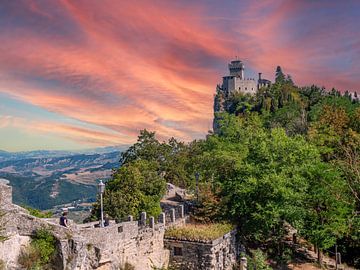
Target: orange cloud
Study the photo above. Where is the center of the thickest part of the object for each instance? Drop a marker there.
(125, 66)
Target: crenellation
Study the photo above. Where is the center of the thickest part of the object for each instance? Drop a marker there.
(143, 218)
(172, 215)
(162, 218)
(88, 246)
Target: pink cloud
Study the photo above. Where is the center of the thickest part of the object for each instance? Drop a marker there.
(127, 66)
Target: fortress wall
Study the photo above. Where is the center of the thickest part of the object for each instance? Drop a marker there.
(218, 254)
(85, 247)
(245, 86)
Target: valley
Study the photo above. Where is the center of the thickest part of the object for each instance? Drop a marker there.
(45, 179)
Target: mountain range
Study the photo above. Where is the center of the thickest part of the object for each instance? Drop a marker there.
(43, 179)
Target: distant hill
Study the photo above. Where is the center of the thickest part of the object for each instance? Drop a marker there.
(43, 179)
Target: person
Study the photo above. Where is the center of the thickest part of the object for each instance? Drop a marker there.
(64, 220)
(106, 220)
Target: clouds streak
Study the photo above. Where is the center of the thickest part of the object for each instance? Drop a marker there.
(124, 66)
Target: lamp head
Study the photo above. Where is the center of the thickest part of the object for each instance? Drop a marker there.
(101, 187)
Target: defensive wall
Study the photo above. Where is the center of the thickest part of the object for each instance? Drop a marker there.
(219, 254)
(84, 246)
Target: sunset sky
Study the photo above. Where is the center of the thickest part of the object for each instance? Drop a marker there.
(88, 73)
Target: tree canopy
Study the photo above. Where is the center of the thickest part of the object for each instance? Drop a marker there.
(288, 155)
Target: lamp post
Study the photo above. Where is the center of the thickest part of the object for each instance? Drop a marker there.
(101, 187)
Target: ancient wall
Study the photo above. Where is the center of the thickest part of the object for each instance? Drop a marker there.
(140, 243)
(219, 254)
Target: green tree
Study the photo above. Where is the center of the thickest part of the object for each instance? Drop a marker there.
(328, 207)
(279, 75)
(134, 187)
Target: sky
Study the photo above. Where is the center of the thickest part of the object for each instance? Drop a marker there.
(88, 73)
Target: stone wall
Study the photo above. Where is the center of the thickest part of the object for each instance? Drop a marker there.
(219, 254)
(140, 243)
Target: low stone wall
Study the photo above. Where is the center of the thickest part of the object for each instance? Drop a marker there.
(219, 254)
(140, 243)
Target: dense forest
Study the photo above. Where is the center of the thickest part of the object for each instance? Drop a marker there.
(288, 155)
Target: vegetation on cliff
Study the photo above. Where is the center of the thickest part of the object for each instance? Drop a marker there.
(287, 155)
(41, 251)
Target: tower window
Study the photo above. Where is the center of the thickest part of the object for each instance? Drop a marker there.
(178, 251)
(245, 88)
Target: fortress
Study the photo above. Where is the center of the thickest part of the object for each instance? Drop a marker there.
(233, 83)
(236, 81)
(143, 243)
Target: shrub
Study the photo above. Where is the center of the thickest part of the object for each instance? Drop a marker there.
(44, 242)
(258, 261)
(40, 252)
(37, 213)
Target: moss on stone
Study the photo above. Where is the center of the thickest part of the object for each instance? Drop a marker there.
(199, 232)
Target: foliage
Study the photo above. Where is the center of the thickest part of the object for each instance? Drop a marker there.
(198, 232)
(139, 184)
(134, 188)
(37, 213)
(40, 252)
(208, 208)
(286, 155)
(257, 261)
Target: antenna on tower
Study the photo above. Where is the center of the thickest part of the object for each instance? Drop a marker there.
(237, 55)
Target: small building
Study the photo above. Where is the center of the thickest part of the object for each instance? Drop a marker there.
(217, 251)
(263, 83)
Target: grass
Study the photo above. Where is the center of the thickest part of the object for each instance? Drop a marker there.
(199, 232)
(37, 213)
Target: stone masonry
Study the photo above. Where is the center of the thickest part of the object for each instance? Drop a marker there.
(84, 246)
(219, 254)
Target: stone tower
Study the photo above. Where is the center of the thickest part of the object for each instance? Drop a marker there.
(236, 68)
(236, 81)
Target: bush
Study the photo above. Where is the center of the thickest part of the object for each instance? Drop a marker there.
(29, 258)
(258, 261)
(37, 213)
(40, 252)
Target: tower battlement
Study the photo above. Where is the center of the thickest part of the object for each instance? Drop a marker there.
(236, 81)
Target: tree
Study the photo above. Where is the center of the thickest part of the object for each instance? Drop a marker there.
(279, 75)
(147, 147)
(328, 207)
(135, 187)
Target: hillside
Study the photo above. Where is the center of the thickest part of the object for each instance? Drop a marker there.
(43, 179)
(285, 156)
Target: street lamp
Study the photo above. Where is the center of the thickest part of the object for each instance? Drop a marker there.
(101, 187)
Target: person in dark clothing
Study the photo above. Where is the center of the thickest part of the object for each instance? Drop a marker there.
(64, 220)
(106, 220)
